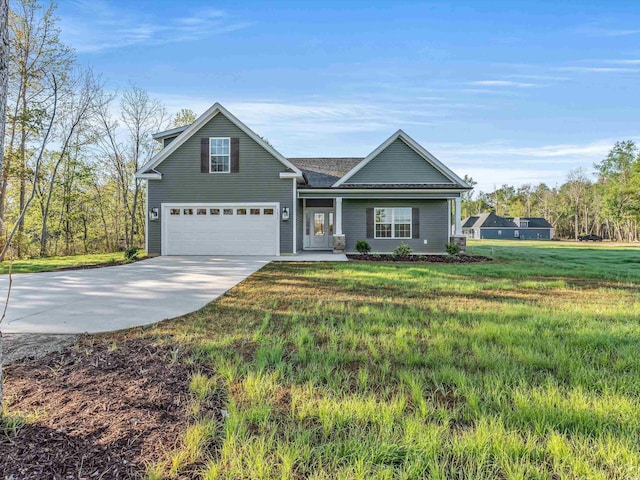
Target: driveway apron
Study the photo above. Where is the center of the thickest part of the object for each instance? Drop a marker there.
(113, 298)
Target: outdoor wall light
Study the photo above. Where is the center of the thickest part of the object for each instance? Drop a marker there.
(153, 214)
(285, 214)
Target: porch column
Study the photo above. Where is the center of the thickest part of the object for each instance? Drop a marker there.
(339, 241)
(458, 219)
(338, 226)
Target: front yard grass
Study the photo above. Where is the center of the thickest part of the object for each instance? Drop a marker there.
(523, 368)
(46, 264)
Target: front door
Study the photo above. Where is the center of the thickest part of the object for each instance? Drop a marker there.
(318, 229)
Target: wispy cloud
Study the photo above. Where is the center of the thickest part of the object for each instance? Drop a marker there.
(496, 163)
(599, 30)
(630, 61)
(98, 25)
(550, 153)
(502, 83)
(598, 69)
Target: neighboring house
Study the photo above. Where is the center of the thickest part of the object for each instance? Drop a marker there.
(217, 188)
(490, 225)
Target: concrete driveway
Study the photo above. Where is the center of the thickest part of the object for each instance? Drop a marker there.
(113, 298)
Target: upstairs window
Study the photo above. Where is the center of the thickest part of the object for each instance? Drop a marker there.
(524, 223)
(219, 160)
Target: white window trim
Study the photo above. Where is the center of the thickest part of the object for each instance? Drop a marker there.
(211, 155)
(393, 230)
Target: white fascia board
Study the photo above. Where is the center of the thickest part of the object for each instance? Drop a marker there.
(380, 190)
(415, 146)
(295, 175)
(199, 123)
(149, 176)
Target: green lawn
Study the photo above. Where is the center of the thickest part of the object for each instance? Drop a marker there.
(55, 263)
(525, 368)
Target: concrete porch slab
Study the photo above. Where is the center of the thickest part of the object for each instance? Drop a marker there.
(313, 256)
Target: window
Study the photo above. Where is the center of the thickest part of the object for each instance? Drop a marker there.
(524, 223)
(188, 211)
(392, 222)
(219, 155)
(516, 233)
(499, 232)
(174, 211)
(228, 211)
(241, 211)
(214, 211)
(268, 211)
(201, 211)
(254, 211)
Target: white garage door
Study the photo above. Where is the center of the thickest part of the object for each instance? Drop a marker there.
(219, 229)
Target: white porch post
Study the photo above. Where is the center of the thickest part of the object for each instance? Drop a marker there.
(338, 226)
(458, 218)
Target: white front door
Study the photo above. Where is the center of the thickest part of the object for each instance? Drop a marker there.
(220, 229)
(318, 230)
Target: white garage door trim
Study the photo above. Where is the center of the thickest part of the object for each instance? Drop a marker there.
(164, 207)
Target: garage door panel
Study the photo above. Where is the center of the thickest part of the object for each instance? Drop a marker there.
(219, 234)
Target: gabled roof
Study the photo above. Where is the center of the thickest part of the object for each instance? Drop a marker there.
(324, 171)
(190, 130)
(491, 220)
(419, 149)
(488, 220)
(535, 222)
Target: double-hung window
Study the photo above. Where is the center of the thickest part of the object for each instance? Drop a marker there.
(219, 159)
(392, 222)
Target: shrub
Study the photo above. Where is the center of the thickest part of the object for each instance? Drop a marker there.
(363, 247)
(403, 250)
(131, 254)
(453, 248)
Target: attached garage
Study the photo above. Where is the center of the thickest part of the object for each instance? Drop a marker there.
(220, 229)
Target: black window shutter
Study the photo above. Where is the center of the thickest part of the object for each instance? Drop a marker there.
(369, 222)
(415, 220)
(204, 155)
(235, 155)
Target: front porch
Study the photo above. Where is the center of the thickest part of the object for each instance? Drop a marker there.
(322, 230)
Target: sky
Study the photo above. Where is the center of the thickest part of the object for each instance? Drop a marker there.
(508, 92)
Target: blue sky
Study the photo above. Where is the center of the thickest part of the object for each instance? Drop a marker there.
(507, 92)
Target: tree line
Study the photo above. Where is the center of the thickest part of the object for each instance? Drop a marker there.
(607, 204)
(71, 146)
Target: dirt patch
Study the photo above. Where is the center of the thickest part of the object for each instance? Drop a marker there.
(17, 346)
(104, 409)
(459, 258)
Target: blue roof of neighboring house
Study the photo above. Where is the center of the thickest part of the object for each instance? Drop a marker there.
(491, 220)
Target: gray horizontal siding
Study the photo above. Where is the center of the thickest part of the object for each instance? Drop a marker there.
(398, 163)
(257, 181)
(434, 225)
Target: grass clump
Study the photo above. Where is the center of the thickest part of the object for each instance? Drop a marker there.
(523, 368)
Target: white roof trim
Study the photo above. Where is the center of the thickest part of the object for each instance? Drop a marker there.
(334, 191)
(419, 149)
(169, 133)
(199, 123)
(150, 176)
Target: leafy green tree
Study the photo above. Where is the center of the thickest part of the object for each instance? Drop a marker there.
(184, 117)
